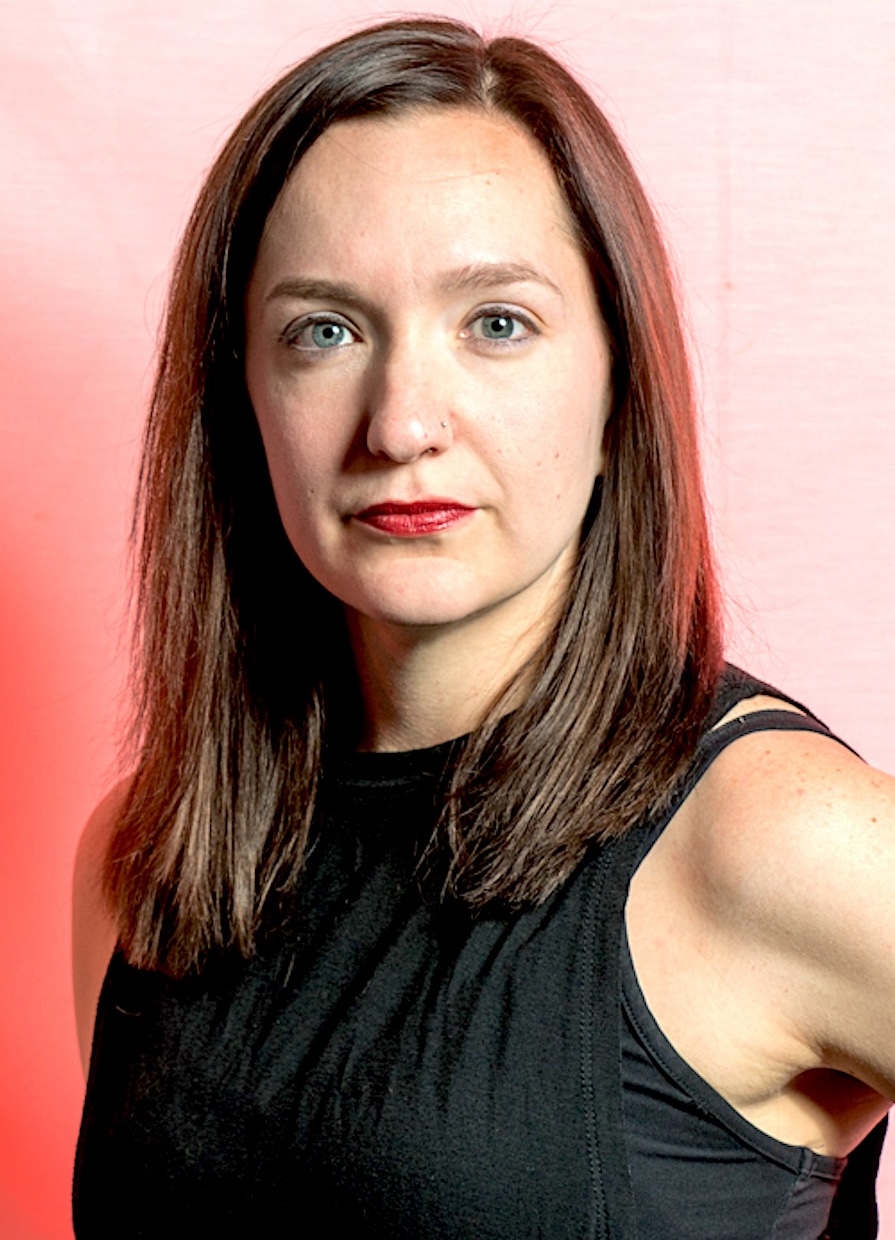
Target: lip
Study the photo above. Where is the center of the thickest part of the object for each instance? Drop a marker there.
(415, 520)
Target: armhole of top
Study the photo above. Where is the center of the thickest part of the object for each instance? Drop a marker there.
(646, 1029)
(716, 740)
(797, 1159)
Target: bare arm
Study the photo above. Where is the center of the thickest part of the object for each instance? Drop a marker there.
(93, 930)
(768, 908)
(806, 867)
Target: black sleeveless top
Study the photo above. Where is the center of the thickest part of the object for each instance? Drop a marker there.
(398, 1068)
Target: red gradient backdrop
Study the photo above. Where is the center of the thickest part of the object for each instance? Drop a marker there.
(765, 133)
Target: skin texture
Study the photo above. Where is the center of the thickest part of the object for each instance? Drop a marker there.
(766, 908)
(421, 325)
(404, 240)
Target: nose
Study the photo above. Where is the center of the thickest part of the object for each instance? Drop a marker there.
(407, 408)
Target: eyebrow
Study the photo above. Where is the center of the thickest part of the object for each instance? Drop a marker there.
(471, 277)
(485, 275)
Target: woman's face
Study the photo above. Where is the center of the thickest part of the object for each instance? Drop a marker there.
(429, 369)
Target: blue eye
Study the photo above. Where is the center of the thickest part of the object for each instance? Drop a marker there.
(326, 335)
(498, 326)
(319, 335)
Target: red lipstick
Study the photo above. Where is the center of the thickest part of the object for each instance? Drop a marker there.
(414, 520)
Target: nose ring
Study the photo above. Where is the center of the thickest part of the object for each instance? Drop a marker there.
(434, 450)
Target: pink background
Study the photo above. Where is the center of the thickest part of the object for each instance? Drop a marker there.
(765, 132)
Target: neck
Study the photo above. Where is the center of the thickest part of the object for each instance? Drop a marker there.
(422, 685)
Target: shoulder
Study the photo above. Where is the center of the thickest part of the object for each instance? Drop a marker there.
(793, 840)
(778, 804)
(94, 932)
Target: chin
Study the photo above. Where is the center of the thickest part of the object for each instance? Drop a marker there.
(421, 604)
(420, 614)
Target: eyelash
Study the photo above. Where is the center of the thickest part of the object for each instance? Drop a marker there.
(292, 334)
(501, 312)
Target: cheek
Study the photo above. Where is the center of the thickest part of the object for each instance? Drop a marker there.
(292, 469)
(569, 408)
(301, 450)
(558, 443)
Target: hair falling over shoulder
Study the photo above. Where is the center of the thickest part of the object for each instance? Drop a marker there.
(242, 670)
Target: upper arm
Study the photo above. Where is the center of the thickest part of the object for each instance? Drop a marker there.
(93, 927)
(802, 854)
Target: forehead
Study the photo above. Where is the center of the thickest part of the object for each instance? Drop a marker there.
(450, 177)
(426, 145)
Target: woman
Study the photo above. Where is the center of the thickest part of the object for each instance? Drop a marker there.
(444, 903)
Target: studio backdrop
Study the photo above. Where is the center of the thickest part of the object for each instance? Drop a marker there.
(765, 133)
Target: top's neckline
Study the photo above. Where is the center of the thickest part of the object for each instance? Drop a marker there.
(404, 767)
(408, 767)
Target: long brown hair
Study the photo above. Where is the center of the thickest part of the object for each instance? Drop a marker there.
(243, 671)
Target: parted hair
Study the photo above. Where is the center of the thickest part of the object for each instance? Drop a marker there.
(243, 678)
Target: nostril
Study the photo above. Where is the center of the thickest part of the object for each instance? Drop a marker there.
(400, 430)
